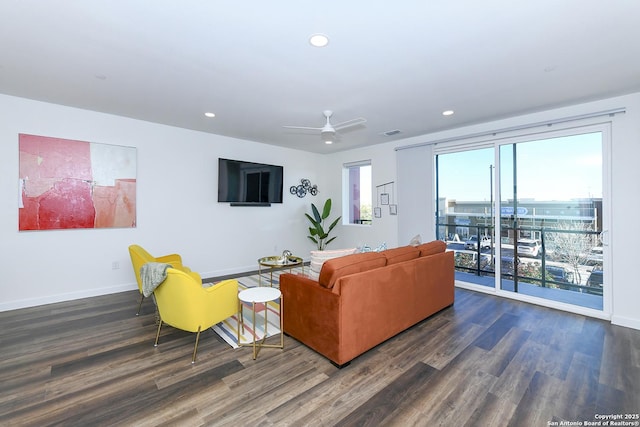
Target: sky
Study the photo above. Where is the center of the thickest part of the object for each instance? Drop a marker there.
(561, 168)
(365, 182)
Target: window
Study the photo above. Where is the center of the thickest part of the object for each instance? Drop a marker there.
(544, 194)
(357, 192)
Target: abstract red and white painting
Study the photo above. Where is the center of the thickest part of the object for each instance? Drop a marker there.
(67, 184)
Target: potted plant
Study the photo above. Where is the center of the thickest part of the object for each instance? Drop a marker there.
(317, 232)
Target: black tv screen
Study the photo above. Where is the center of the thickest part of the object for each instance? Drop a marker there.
(249, 183)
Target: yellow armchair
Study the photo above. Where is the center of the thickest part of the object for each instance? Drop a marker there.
(139, 257)
(184, 304)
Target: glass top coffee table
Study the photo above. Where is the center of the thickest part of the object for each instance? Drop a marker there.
(275, 262)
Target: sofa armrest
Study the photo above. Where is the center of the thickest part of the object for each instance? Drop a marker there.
(310, 313)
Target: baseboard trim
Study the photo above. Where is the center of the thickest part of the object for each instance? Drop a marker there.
(69, 296)
(626, 322)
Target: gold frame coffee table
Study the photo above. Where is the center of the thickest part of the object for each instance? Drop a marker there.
(253, 296)
(276, 261)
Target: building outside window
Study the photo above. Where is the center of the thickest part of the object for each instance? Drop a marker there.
(357, 192)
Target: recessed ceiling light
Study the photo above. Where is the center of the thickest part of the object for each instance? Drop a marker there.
(319, 40)
(210, 114)
(447, 113)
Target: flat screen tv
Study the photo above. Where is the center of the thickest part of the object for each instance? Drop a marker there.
(247, 183)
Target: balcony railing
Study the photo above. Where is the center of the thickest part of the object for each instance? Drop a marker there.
(570, 269)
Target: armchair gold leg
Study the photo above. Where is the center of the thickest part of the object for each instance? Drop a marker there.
(140, 305)
(195, 349)
(158, 333)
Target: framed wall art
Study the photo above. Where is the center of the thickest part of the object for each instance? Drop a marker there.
(66, 184)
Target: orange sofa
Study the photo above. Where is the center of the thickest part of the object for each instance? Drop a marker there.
(361, 300)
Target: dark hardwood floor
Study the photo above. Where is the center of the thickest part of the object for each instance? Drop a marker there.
(485, 361)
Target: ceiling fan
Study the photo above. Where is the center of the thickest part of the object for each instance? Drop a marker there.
(328, 131)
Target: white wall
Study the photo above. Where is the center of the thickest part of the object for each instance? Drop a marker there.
(625, 203)
(384, 229)
(177, 208)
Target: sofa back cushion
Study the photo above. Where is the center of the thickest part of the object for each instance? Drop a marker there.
(403, 253)
(431, 248)
(335, 268)
(318, 258)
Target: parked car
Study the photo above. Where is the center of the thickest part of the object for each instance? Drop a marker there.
(595, 278)
(594, 256)
(529, 247)
(594, 282)
(560, 274)
(472, 242)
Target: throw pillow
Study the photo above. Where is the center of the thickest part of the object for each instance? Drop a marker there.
(416, 240)
(319, 257)
(382, 247)
(367, 248)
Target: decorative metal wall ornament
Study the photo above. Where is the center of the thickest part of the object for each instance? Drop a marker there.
(303, 188)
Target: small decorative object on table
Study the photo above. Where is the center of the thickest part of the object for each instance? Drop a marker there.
(285, 256)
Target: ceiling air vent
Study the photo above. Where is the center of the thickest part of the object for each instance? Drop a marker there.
(391, 132)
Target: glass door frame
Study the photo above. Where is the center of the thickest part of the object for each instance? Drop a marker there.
(567, 129)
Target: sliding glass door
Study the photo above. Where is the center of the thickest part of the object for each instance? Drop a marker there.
(551, 218)
(465, 211)
(525, 215)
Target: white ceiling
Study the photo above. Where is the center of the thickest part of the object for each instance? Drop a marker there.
(399, 65)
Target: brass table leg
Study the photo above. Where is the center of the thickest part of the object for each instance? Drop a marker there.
(257, 344)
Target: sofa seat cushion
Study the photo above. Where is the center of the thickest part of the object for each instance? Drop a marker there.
(403, 253)
(431, 248)
(335, 268)
(318, 258)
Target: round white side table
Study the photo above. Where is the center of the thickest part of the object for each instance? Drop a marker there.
(253, 296)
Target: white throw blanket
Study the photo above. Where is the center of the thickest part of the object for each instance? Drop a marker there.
(152, 275)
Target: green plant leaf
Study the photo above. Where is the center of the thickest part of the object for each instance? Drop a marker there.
(317, 233)
(330, 240)
(333, 224)
(311, 220)
(326, 211)
(316, 214)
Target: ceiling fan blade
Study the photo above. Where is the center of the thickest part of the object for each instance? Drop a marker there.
(349, 123)
(301, 127)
